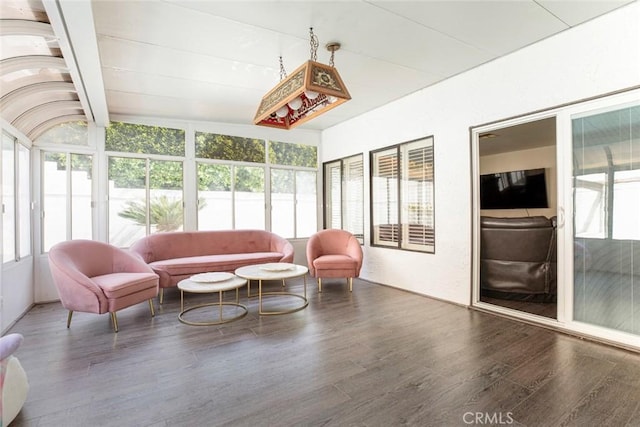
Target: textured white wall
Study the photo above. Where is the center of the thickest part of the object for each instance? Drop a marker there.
(595, 58)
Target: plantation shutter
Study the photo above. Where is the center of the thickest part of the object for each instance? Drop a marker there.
(333, 196)
(385, 198)
(417, 195)
(354, 196)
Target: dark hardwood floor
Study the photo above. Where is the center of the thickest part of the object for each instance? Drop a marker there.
(376, 357)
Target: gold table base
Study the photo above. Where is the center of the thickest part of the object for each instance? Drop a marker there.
(220, 304)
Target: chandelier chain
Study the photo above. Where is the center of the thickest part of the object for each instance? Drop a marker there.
(313, 41)
(283, 72)
(331, 59)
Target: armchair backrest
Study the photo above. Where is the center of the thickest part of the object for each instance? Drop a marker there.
(89, 257)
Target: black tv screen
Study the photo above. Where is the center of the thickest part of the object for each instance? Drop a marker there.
(520, 189)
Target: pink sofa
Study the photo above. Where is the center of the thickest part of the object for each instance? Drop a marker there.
(178, 255)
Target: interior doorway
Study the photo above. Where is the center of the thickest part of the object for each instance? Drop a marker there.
(516, 216)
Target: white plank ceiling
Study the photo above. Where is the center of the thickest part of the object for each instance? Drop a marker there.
(214, 60)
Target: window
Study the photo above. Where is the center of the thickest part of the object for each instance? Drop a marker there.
(249, 197)
(66, 197)
(402, 194)
(145, 193)
(215, 198)
(226, 147)
(232, 192)
(293, 189)
(344, 195)
(145, 196)
(24, 201)
(16, 200)
(293, 203)
(8, 199)
(133, 138)
(230, 197)
(72, 133)
(282, 153)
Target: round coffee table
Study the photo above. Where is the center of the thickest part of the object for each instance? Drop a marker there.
(274, 271)
(197, 287)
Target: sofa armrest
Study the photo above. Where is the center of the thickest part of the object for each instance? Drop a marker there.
(282, 245)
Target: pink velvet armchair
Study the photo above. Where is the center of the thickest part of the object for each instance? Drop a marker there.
(334, 253)
(95, 277)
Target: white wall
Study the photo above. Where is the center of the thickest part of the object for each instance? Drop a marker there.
(595, 58)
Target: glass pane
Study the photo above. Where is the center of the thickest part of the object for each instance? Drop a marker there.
(74, 133)
(226, 147)
(282, 203)
(626, 204)
(249, 198)
(354, 196)
(282, 153)
(24, 200)
(54, 199)
(384, 202)
(589, 196)
(132, 138)
(606, 173)
(215, 199)
(8, 199)
(81, 191)
(306, 204)
(166, 201)
(333, 195)
(127, 200)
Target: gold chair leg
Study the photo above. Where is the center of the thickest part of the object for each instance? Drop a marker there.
(350, 284)
(153, 312)
(114, 319)
(161, 295)
(319, 284)
(69, 318)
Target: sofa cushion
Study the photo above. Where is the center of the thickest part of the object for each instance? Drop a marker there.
(118, 285)
(334, 262)
(335, 266)
(213, 263)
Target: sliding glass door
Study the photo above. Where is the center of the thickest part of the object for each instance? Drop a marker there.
(596, 182)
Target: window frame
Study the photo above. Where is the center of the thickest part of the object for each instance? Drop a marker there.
(343, 183)
(400, 229)
(148, 160)
(68, 194)
(22, 227)
(294, 171)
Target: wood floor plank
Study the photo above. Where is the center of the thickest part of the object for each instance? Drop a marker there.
(561, 393)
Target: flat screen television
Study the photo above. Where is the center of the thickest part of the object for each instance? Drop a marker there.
(520, 189)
